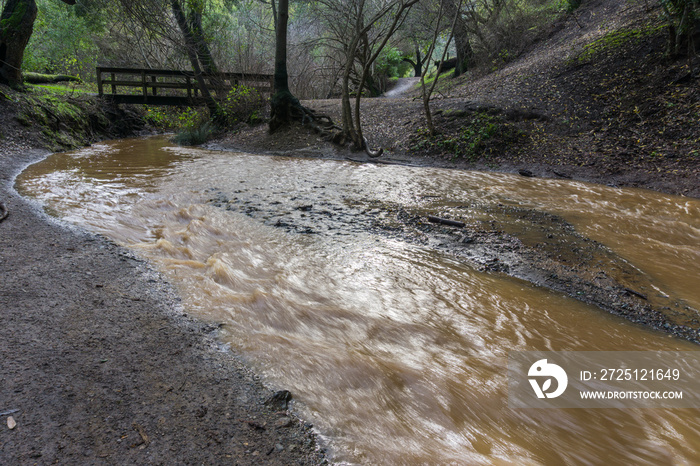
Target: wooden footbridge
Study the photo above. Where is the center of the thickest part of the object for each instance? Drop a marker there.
(169, 87)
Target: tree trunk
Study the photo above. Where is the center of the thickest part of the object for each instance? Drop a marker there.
(418, 67)
(40, 78)
(203, 52)
(465, 54)
(346, 106)
(418, 64)
(681, 19)
(190, 46)
(282, 102)
(16, 27)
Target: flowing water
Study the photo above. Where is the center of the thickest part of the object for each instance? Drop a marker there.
(395, 351)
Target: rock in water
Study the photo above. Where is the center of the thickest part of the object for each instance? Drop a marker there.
(279, 400)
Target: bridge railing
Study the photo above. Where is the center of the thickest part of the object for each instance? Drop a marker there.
(170, 87)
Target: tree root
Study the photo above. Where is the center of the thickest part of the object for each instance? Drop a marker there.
(323, 125)
(4, 212)
(371, 153)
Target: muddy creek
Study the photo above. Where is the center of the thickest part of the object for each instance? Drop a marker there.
(393, 347)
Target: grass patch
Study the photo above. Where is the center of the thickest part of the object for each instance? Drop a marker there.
(68, 89)
(164, 118)
(614, 40)
(194, 136)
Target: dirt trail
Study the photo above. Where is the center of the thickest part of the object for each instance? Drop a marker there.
(103, 367)
(402, 87)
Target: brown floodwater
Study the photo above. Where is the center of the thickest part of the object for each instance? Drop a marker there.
(396, 352)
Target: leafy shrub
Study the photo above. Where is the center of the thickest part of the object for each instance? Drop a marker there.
(243, 104)
(160, 118)
(390, 63)
(193, 136)
(194, 127)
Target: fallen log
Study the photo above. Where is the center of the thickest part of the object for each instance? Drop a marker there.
(40, 78)
(445, 221)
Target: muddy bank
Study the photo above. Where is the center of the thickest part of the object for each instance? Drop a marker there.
(100, 365)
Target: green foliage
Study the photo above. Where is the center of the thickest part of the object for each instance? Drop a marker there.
(62, 42)
(390, 63)
(195, 135)
(161, 118)
(178, 119)
(472, 140)
(194, 126)
(192, 118)
(570, 6)
(243, 104)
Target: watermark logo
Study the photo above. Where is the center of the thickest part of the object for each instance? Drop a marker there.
(604, 379)
(546, 372)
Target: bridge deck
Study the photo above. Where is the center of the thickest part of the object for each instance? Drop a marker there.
(169, 87)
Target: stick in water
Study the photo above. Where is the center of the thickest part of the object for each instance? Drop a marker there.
(444, 221)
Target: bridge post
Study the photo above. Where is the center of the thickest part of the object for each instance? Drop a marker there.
(99, 82)
(144, 86)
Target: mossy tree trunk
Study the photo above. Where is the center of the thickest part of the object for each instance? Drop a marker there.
(16, 27)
